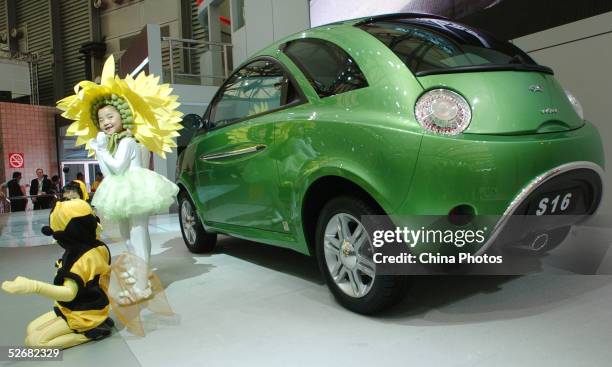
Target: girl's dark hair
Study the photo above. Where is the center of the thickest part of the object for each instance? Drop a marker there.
(71, 191)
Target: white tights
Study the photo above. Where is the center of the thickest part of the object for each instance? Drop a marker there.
(135, 232)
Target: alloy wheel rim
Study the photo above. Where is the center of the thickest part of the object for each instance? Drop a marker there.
(188, 222)
(348, 255)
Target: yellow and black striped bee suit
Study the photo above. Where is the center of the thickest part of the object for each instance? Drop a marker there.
(86, 260)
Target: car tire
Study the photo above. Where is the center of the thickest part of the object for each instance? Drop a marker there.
(350, 283)
(195, 236)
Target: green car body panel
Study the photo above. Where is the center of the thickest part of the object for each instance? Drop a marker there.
(370, 137)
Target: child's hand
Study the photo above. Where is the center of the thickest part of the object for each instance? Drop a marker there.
(102, 140)
(21, 285)
(93, 144)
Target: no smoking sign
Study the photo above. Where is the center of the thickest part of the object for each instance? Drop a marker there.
(15, 160)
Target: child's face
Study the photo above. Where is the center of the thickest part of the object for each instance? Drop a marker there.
(109, 120)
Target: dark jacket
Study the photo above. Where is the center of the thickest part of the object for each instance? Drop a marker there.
(47, 186)
(13, 188)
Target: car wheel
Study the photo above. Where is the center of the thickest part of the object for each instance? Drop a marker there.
(344, 253)
(195, 236)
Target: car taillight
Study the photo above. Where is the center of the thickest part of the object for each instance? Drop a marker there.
(442, 111)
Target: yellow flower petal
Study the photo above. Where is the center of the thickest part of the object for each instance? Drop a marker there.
(108, 72)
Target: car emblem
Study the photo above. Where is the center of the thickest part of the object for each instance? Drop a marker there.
(549, 111)
(536, 88)
(346, 248)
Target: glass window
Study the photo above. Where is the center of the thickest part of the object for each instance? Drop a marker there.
(433, 45)
(255, 89)
(68, 150)
(237, 14)
(329, 69)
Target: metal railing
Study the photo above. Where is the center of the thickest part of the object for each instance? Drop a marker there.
(181, 57)
(5, 202)
(5, 205)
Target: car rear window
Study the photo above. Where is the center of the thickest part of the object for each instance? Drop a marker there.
(432, 46)
(328, 68)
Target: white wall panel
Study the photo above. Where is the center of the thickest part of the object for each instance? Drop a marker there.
(161, 11)
(582, 65)
(259, 25)
(119, 21)
(267, 21)
(290, 16)
(239, 49)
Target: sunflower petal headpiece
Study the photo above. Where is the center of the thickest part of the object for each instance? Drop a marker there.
(147, 108)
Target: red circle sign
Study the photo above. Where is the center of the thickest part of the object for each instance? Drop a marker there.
(16, 160)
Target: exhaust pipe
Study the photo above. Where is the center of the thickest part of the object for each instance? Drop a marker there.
(539, 242)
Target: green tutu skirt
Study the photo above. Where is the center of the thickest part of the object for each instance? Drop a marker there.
(137, 191)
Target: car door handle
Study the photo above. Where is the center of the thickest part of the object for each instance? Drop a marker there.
(233, 153)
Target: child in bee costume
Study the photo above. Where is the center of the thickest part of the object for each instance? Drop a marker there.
(81, 310)
(121, 121)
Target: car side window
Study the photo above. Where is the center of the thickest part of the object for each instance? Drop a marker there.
(255, 89)
(328, 68)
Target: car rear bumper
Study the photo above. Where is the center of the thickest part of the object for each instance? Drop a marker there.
(500, 176)
(518, 221)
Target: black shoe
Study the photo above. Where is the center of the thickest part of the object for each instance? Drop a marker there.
(109, 322)
(101, 331)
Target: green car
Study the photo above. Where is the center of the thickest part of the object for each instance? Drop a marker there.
(405, 114)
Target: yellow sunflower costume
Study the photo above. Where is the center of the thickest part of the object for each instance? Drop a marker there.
(150, 121)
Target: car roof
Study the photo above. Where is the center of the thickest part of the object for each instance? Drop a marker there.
(329, 29)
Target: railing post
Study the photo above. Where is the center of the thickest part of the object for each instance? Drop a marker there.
(171, 62)
(36, 91)
(31, 67)
(225, 61)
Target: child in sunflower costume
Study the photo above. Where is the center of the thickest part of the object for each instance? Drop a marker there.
(121, 121)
